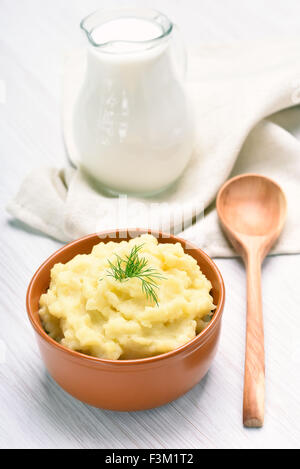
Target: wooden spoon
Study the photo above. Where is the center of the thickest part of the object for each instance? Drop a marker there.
(252, 211)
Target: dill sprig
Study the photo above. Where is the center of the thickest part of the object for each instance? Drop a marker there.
(135, 266)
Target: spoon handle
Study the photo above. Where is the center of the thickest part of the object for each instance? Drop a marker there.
(254, 384)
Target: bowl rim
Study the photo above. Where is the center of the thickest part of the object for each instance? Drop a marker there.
(201, 337)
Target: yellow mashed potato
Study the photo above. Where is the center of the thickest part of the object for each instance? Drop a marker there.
(86, 310)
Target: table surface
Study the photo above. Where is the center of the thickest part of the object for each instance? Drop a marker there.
(35, 39)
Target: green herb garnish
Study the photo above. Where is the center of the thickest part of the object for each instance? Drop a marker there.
(135, 266)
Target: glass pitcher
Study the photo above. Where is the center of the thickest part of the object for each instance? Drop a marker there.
(132, 122)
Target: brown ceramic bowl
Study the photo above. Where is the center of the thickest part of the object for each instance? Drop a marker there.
(127, 384)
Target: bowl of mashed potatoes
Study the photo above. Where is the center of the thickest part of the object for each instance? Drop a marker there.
(127, 321)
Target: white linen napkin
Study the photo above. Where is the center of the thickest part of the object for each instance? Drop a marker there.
(245, 98)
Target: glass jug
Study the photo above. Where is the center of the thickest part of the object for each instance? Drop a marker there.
(132, 122)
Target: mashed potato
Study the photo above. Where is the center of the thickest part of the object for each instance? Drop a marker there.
(86, 310)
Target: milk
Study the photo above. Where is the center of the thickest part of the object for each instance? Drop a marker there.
(132, 122)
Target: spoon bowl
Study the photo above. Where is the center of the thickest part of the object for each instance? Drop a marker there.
(252, 212)
(133, 384)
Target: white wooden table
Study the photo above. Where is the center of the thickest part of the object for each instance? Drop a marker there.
(35, 38)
